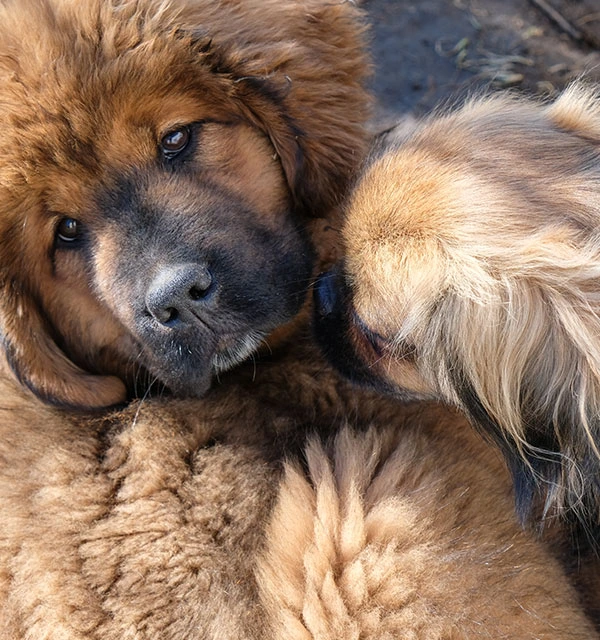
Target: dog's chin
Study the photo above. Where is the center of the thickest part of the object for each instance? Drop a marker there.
(187, 376)
(237, 351)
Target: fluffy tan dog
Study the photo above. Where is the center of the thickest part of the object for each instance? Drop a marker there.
(473, 256)
(408, 531)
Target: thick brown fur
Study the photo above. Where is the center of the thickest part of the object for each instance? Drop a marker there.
(472, 275)
(173, 520)
(175, 265)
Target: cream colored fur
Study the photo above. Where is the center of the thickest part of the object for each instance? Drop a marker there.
(156, 521)
(474, 251)
(390, 537)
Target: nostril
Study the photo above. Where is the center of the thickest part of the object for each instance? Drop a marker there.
(164, 315)
(202, 285)
(197, 293)
(325, 293)
(171, 314)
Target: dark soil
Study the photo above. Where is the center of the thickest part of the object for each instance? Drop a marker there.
(430, 51)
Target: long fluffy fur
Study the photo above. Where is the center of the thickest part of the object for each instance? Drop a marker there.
(386, 539)
(474, 247)
(148, 522)
(272, 95)
(172, 520)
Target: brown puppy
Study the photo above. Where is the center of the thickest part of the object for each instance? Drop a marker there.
(159, 160)
(473, 256)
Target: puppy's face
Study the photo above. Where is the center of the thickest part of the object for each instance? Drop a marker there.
(403, 219)
(472, 276)
(154, 187)
(459, 234)
(175, 250)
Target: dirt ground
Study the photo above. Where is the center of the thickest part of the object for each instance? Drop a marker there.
(427, 51)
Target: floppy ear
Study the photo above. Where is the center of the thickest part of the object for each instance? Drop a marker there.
(262, 103)
(303, 84)
(307, 92)
(40, 365)
(526, 368)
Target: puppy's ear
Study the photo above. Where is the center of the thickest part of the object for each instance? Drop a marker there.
(527, 371)
(307, 92)
(303, 84)
(40, 365)
(263, 105)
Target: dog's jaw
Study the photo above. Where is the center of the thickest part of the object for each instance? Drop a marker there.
(236, 352)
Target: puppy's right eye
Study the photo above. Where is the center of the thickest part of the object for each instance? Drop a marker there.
(68, 231)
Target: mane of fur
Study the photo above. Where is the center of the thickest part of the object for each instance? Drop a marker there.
(512, 334)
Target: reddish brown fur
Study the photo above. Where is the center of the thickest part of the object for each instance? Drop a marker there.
(84, 107)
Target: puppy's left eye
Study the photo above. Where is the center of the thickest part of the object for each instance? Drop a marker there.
(174, 142)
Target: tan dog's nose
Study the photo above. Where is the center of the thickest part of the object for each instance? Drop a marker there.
(327, 293)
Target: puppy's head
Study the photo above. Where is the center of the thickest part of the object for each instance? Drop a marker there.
(472, 275)
(159, 162)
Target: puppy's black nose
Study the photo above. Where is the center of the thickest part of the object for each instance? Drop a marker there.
(179, 293)
(327, 293)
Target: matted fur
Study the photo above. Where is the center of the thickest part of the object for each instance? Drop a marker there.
(473, 262)
(94, 539)
(151, 522)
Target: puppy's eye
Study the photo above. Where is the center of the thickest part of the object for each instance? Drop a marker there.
(68, 231)
(174, 142)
